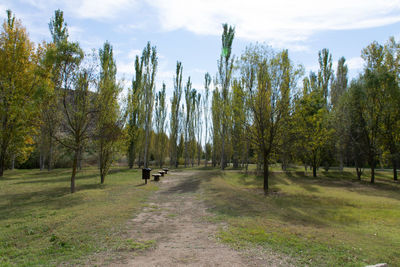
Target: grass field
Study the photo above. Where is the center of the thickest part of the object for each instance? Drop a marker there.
(41, 223)
(331, 220)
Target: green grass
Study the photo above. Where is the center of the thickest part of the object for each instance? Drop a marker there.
(331, 220)
(41, 223)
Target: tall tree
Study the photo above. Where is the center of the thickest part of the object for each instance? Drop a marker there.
(78, 114)
(216, 125)
(198, 126)
(109, 120)
(51, 112)
(159, 119)
(150, 62)
(188, 118)
(325, 72)
(238, 117)
(311, 123)
(207, 82)
(19, 82)
(271, 79)
(225, 68)
(339, 87)
(375, 79)
(352, 121)
(174, 119)
(135, 113)
(390, 130)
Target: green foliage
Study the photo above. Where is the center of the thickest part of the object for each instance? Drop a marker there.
(174, 118)
(109, 119)
(150, 62)
(160, 123)
(225, 70)
(135, 113)
(21, 84)
(269, 79)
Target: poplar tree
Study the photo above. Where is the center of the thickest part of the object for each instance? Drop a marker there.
(238, 121)
(51, 114)
(271, 79)
(174, 118)
(109, 120)
(390, 130)
(225, 68)
(135, 113)
(339, 88)
(18, 90)
(378, 84)
(310, 123)
(207, 82)
(188, 121)
(159, 120)
(72, 90)
(198, 126)
(78, 114)
(216, 125)
(325, 72)
(150, 62)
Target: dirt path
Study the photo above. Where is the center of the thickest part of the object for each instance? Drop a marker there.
(176, 220)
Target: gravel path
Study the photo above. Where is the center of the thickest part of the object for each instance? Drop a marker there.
(176, 218)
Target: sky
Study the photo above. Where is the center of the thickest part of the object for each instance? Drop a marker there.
(190, 31)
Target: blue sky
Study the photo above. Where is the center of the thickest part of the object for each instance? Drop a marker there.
(189, 31)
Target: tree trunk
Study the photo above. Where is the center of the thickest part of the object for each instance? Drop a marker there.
(214, 160)
(223, 153)
(373, 173)
(198, 155)
(80, 159)
(340, 162)
(146, 146)
(314, 170)
(266, 173)
(131, 155)
(41, 160)
(50, 157)
(102, 177)
(394, 169)
(359, 172)
(13, 162)
(2, 162)
(74, 165)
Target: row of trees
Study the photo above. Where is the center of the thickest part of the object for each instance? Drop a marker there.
(326, 121)
(55, 98)
(55, 95)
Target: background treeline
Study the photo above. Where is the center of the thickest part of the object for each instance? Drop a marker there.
(61, 107)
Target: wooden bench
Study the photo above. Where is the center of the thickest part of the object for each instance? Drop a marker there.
(156, 177)
(161, 172)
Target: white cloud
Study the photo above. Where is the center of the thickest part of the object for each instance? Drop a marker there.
(278, 22)
(355, 63)
(133, 53)
(87, 9)
(100, 9)
(124, 28)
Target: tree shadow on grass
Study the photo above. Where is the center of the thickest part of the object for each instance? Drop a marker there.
(189, 185)
(297, 209)
(349, 181)
(53, 198)
(67, 177)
